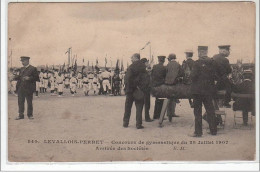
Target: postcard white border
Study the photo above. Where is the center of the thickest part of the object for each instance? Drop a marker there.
(114, 166)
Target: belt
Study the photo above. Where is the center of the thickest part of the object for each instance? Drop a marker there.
(74, 82)
(105, 78)
(85, 82)
(45, 78)
(94, 82)
(90, 78)
(60, 83)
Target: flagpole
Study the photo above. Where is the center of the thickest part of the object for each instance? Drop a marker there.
(150, 51)
(11, 58)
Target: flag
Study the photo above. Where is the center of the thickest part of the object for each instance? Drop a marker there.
(47, 67)
(146, 45)
(106, 62)
(88, 65)
(92, 67)
(83, 67)
(122, 65)
(63, 67)
(75, 66)
(117, 67)
(83, 60)
(96, 61)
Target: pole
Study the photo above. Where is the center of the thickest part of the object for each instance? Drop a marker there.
(69, 58)
(150, 52)
(10, 56)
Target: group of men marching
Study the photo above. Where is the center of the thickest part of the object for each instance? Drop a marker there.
(205, 75)
(101, 82)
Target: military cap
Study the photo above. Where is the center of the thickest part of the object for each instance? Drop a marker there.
(161, 57)
(189, 53)
(172, 56)
(227, 47)
(144, 60)
(24, 58)
(202, 47)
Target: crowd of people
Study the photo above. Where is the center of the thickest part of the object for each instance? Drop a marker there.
(54, 81)
(205, 76)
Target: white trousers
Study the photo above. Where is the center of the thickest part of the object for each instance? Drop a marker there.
(106, 84)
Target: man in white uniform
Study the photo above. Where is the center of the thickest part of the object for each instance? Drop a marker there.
(105, 80)
(45, 79)
(60, 82)
(41, 84)
(73, 85)
(85, 85)
(79, 77)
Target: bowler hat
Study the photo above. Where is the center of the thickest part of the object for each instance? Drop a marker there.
(144, 60)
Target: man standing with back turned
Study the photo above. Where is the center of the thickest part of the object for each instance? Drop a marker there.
(224, 69)
(26, 85)
(203, 90)
(134, 80)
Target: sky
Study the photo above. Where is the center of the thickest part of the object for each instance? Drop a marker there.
(44, 31)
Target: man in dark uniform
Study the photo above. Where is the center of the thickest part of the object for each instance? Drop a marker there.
(173, 73)
(203, 90)
(147, 96)
(134, 80)
(158, 78)
(224, 69)
(26, 85)
(187, 67)
(245, 104)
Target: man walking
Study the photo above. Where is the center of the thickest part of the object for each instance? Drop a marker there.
(26, 85)
(203, 90)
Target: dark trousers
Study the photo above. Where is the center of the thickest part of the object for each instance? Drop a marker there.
(157, 108)
(208, 104)
(171, 107)
(225, 84)
(101, 88)
(21, 99)
(128, 106)
(245, 116)
(147, 103)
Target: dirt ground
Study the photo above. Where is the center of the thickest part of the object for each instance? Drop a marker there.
(89, 129)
